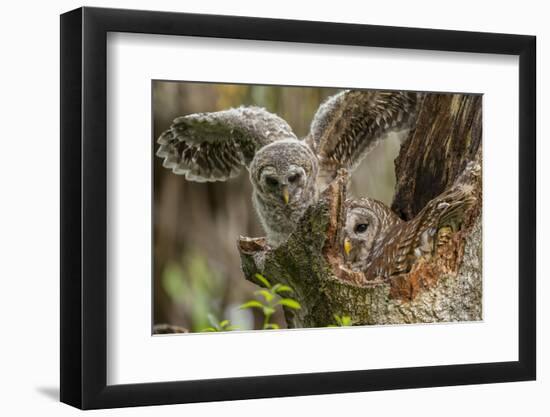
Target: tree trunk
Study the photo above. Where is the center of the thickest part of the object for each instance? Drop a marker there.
(446, 138)
(446, 287)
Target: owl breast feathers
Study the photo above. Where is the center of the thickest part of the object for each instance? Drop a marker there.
(287, 173)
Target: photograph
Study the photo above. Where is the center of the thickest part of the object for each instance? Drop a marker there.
(263, 206)
(290, 207)
(269, 209)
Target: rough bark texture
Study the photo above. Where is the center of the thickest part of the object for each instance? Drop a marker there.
(445, 288)
(447, 136)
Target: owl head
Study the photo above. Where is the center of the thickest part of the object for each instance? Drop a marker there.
(284, 173)
(366, 221)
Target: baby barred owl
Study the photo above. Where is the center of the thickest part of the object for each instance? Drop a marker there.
(380, 244)
(287, 173)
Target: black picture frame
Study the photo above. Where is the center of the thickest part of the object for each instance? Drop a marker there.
(84, 207)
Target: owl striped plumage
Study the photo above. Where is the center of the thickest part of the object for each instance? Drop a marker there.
(350, 124)
(393, 246)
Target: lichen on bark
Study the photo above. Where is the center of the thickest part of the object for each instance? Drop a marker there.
(324, 287)
(446, 288)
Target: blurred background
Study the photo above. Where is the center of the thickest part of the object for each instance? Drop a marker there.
(197, 269)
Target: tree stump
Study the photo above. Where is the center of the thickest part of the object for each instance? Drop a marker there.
(448, 287)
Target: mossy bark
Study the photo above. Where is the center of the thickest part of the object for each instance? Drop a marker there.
(447, 136)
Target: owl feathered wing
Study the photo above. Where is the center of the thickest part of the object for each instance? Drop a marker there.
(348, 126)
(215, 146)
(409, 241)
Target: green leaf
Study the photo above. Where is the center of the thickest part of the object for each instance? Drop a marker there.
(266, 294)
(271, 326)
(279, 288)
(230, 328)
(263, 280)
(290, 303)
(209, 329)
(268, 311)
(224, 323)
(213, 321)
(343, 321)
(251, 304)
(347, 321)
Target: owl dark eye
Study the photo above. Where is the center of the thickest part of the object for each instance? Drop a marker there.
(271, 181)
(361, 228)
(293, 178)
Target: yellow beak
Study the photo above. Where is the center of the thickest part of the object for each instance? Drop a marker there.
(286, 196)
(347, 246)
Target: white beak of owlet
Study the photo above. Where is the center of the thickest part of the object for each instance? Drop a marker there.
(347, 246)
(286, 196)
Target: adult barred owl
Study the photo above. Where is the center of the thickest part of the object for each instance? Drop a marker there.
(287, 173)
(380, 244)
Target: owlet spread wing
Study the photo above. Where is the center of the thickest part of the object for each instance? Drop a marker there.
(215, 146)
(349, 125)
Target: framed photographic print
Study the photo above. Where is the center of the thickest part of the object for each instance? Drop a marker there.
(258, 208)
